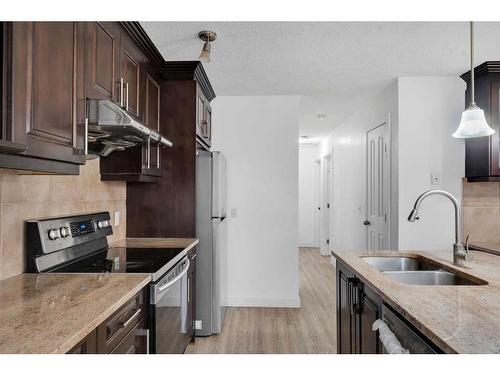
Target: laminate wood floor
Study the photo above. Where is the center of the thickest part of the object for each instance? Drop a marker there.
(309, 329)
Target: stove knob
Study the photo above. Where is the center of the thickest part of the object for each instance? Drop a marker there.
(54, 234)
(64, 232)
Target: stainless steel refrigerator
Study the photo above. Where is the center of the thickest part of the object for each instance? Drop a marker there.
(211, 231)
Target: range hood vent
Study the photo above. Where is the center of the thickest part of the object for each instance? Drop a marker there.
(110, 128)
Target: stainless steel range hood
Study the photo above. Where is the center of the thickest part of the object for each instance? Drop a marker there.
(110, 128)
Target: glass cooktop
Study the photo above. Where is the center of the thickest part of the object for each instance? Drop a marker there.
(124, 260)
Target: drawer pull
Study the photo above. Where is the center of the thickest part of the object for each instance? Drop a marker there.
(129, 320)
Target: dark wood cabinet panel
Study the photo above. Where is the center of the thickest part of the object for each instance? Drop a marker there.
(136, 341)
(117, 326)
(370, 310)
(357, 309)
(482, 155)
(87, 346)
(344, 339)
(102, 43)
(124, 332)
(131, 62)
(46, 94)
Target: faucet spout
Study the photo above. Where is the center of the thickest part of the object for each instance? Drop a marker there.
(458, 248)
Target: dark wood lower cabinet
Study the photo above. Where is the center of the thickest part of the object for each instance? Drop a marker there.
(357, 309)
(87, 346)
(124, 332)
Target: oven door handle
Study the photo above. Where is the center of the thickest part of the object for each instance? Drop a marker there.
(176, 278)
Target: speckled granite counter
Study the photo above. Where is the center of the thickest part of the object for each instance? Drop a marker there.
(51, 313)
(459, 319)
(186, 243)
(489, 247)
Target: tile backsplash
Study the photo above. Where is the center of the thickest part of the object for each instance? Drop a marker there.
(29, 196)
(481, 211)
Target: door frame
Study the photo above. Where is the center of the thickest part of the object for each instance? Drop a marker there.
(317, 203)
(386, 121)
(326, 198)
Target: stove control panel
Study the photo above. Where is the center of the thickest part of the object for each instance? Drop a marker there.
(53, 234)
(82, 227)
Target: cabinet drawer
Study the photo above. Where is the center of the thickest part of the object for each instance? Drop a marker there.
(135, 342)
(117, 326)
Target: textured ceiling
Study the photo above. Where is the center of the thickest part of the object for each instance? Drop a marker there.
(333, 63)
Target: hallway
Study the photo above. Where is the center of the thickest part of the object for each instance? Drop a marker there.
(310, 329)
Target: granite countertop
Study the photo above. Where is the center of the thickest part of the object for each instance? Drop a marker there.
(458, 319)
(186, 243)
(489, 247)
(51, 313)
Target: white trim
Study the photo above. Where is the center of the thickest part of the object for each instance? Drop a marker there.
(307, 245)
(262, 302)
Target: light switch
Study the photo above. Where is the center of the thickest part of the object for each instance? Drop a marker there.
(435, 179)
(117, 218)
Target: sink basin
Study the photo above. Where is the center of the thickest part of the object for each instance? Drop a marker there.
(439, 277)
(399, 263)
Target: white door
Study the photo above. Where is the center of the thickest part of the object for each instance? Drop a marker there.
(326, 205)
(317, 203)
(377, 188)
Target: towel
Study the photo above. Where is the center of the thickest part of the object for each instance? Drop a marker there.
(390, 342)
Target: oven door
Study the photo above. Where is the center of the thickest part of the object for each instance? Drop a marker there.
(171, 327)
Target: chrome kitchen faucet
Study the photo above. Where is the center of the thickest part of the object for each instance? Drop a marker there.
(459, 250)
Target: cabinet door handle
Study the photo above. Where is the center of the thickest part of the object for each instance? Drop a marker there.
(354, 294)
(126, 96)
(121, 93)
(86, 137)
(148, 150)
(129, 320)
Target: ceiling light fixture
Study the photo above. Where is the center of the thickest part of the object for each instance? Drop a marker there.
(207, 37)
(473, 123)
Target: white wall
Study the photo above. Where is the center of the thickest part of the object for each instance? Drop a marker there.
(348, 141)
(424, 112)
(259, 135)
(307, 195)
(429, 112)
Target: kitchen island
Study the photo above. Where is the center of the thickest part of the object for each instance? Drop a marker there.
(453, 318)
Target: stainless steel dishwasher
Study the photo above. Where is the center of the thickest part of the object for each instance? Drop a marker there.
(408, 337)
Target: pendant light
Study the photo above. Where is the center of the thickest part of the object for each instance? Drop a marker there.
(473, 123)
(207, 37)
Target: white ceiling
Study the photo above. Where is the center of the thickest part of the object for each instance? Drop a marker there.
(333, 64)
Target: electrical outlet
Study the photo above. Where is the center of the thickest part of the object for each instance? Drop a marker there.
(117, 218)
(198, 324)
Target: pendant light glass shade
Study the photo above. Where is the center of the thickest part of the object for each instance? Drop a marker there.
(473, 124)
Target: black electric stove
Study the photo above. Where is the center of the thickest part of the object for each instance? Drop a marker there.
(154, 261)
(78, 244)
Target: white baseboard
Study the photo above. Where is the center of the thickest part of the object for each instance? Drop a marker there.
(262, 302)
(307, 245)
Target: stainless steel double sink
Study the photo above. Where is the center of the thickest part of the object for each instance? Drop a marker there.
(419, 271)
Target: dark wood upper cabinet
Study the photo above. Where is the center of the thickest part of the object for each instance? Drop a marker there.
(482, 155)
(102, 70)
(44, 105)
(131, 72)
